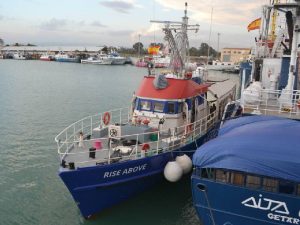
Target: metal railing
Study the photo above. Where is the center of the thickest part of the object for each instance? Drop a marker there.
(270, 103)
(86, 125)
(158, 141)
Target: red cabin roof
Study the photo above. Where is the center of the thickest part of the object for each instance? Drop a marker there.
(177, 89)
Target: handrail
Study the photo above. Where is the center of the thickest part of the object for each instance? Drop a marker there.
(87, 117)
(270, 102)
(65, 146)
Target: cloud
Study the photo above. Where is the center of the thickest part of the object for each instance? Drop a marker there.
(97, 24)
(234, 12)
(120, 32)
(119, 5)
(54, 24)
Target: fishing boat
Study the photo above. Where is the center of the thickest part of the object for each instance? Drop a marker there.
(110, 157)
(117, 59)
(63, 57)
(99, 59)
(19, 55)
(250, 173)
(46, 57)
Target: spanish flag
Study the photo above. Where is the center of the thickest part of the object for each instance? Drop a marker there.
(153, 50)
(254, 24)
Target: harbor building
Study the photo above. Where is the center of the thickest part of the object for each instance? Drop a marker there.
(235, 54)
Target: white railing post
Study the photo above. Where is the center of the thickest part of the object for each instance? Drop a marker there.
(100, 121)
(136, 145)
(91, 125)
(74, 131)
(194, 126)
(109, 153)
(120, 116)
(157, 145)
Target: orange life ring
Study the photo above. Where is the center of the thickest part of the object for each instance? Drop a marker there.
(106, 118)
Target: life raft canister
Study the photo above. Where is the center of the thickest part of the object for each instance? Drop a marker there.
(106, 118)
(298, 104)
(145, 147)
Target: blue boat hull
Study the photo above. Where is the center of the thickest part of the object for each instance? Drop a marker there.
(99, 187)
(225, 204)
(74, 60)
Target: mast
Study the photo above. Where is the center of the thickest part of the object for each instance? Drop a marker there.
(176, 36)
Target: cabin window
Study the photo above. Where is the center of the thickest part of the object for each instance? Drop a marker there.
(200, 100)
(298, 189)
(171, 107)
(237, 178)
(180, 107)
(222, 176)
(145, 105)
(208, 173)
(286, 187)
(270, 184)
(253, 182)
(158, 106)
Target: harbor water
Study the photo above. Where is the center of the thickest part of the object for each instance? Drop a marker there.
(38, 100)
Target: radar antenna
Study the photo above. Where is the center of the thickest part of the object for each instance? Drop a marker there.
(179, 44)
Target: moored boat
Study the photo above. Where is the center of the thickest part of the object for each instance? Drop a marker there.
(63, 57)
(46, 57)
(249, 174)
(99, 59)
(117, 59)
(218, 65)
(19, 55)
(109, 157)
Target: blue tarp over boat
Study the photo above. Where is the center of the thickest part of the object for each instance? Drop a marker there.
(263, 145)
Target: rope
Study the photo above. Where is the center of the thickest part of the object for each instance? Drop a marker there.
(210, 211)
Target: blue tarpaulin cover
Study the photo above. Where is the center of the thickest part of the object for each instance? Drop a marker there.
(263, 145)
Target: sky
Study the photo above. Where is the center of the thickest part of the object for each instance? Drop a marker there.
(125, 22)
